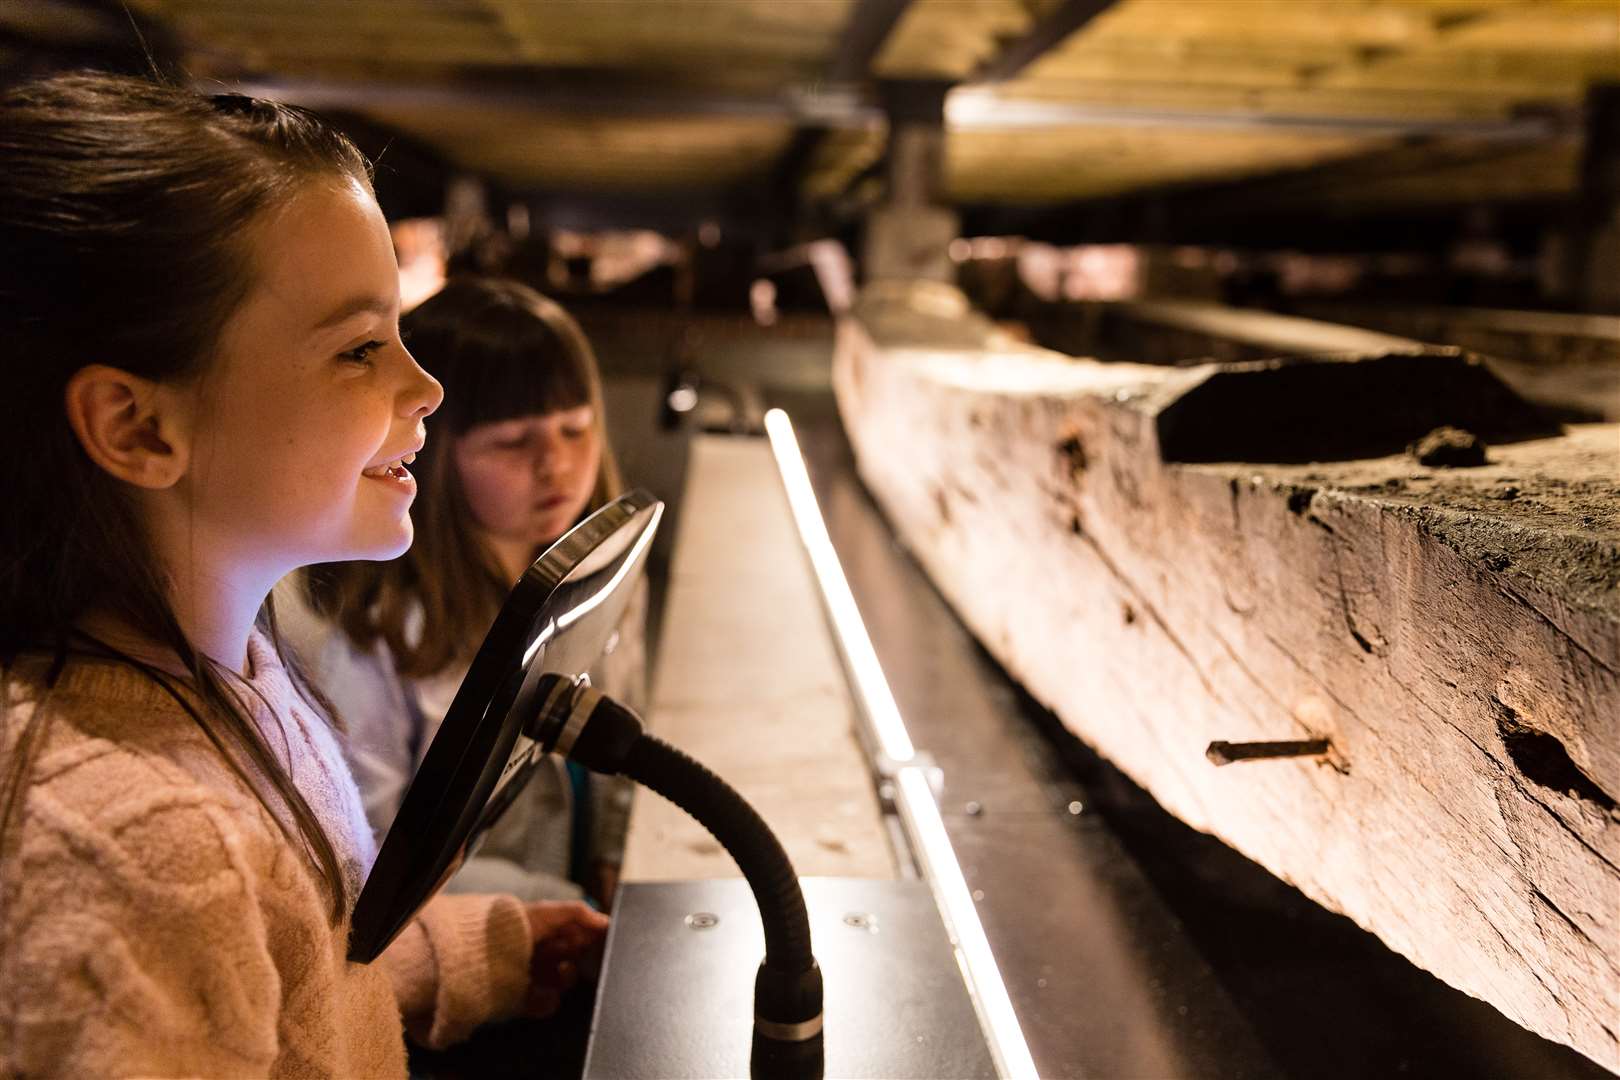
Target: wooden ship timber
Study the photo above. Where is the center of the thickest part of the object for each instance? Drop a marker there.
(1170, 557)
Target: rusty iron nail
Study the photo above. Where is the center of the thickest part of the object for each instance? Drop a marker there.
(1225, 753)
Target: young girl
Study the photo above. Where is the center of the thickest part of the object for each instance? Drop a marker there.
(518, 455)
(205, 390)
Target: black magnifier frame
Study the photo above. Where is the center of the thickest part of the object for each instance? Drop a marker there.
(558, 619)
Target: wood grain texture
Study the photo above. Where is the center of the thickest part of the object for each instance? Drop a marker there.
(1456, 636)
(1093, 161)
(614, 154)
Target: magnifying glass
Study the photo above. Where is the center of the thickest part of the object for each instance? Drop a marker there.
(557, 620)
(525, 696)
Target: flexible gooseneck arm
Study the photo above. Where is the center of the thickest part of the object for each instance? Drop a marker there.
(604, 736)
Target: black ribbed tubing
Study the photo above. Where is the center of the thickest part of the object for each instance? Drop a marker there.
(742, 832)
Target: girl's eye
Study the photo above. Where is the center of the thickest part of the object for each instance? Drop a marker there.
(576, 433)
(361, 354)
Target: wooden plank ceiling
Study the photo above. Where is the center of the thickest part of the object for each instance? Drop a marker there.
(1219, 63)
(666, 95)
(391, 54)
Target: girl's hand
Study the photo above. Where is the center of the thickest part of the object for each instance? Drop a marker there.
(568, 938)
(603, 882)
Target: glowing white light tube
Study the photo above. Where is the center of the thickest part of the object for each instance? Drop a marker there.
(919, 812)
(932, 846)
(871, 688)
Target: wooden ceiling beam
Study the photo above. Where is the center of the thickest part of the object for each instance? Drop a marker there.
(1138, 219)
(66, 25)
(1042, 37)
(53, 35)
(573, 92)
(1312, 207)
(611, 94)
(868, 28)
(973, 109)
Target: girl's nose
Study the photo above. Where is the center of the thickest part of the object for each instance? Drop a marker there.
(548, 456)
(423, 395)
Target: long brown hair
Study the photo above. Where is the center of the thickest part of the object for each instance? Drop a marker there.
(501, 351)
(123, 204)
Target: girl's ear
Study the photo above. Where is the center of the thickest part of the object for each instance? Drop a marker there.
(131, 427)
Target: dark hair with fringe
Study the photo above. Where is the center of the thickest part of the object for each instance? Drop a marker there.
(501, 350)
(123, 210)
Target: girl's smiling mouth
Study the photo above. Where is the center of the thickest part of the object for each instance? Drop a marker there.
(393, 471)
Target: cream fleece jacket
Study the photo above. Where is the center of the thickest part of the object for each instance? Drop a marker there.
(154, 921)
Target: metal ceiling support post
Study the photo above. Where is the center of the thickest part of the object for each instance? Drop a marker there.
(868, 28)
(786, 183)
(907, 238)
(468, 225)
(1594, 242)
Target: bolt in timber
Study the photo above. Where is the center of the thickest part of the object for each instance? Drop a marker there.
(1227, 753)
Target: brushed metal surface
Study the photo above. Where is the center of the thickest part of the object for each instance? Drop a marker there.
(677, 989)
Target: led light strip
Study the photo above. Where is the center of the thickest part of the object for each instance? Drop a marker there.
(919, 812)
(876, 699)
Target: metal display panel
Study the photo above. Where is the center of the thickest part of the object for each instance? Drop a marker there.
(677, 989)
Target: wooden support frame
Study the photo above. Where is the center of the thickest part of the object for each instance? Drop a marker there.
(593, 93)
(1046, 34)
(868, 28)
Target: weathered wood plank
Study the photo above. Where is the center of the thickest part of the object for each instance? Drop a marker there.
(1456, 635)
(1009, 165)
(1569, 362)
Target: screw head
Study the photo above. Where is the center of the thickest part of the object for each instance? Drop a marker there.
(860, 920)
(702, 920)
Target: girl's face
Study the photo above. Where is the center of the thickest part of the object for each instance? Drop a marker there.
(528, 479)
(311, 395)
